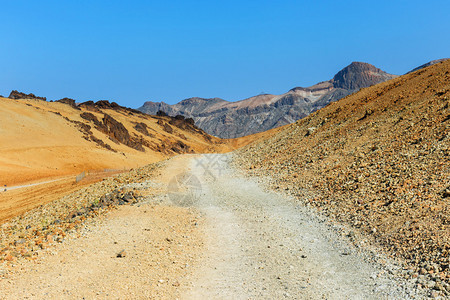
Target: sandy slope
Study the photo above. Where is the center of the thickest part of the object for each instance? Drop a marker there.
(39, 140)
(36, 143)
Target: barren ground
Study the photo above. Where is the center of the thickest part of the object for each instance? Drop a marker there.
(217, 235)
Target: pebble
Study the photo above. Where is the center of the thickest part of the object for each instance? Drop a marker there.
(121, 253)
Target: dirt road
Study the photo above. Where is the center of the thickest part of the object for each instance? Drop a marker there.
(261, 245)
(213, 235)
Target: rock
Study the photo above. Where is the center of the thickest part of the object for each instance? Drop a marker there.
(430, 284)
(107, 104)
(446, 193)
(19, 95)
(438, 286)
(20, 242)
(434, 294)
(118, 132)
(121, 254)
(129, 197)
(167, 128)
(82, 212)
(68, 101)
(142, 128)
(176, 284)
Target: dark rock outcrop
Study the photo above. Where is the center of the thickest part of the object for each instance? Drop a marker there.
(68, 101)
(90, 105)
(115, 130)
(143, 128)
(19, 95)
(263, 112)
(107, 104)
(85, 129)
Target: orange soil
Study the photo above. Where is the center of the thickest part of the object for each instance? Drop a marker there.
(36, 143)
(16, 202)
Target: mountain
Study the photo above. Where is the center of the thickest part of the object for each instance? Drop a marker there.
(433, 62)
(263, 112)
(40, 139)
(377, 160)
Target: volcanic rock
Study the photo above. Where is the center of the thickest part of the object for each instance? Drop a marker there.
(19, 95)
(68, 101)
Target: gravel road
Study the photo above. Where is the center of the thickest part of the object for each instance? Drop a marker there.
(261, 245)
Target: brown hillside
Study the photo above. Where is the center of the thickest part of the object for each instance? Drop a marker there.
(378, 160)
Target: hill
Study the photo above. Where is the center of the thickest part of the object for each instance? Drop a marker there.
(40, 139)
(263, 112)
(379, 161)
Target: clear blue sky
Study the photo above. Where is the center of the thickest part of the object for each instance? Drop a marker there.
(135, 51)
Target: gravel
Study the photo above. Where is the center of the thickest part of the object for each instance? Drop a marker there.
(265, 245)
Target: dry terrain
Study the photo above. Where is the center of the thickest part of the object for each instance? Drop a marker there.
(350, 202)
(40, 139)
(378, 161)
(44, 141)
(214, 235)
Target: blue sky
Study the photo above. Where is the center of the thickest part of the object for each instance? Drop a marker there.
(135, 51)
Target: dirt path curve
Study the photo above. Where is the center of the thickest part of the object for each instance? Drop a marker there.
(260, 245)
(233, 241)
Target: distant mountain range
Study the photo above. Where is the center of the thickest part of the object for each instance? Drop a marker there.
(226, 119)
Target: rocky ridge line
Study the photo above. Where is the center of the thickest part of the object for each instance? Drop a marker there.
(263, 112)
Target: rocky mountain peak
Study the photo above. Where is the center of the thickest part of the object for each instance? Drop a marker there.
(358, 75)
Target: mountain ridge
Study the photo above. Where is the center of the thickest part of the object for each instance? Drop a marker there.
(262, 112)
